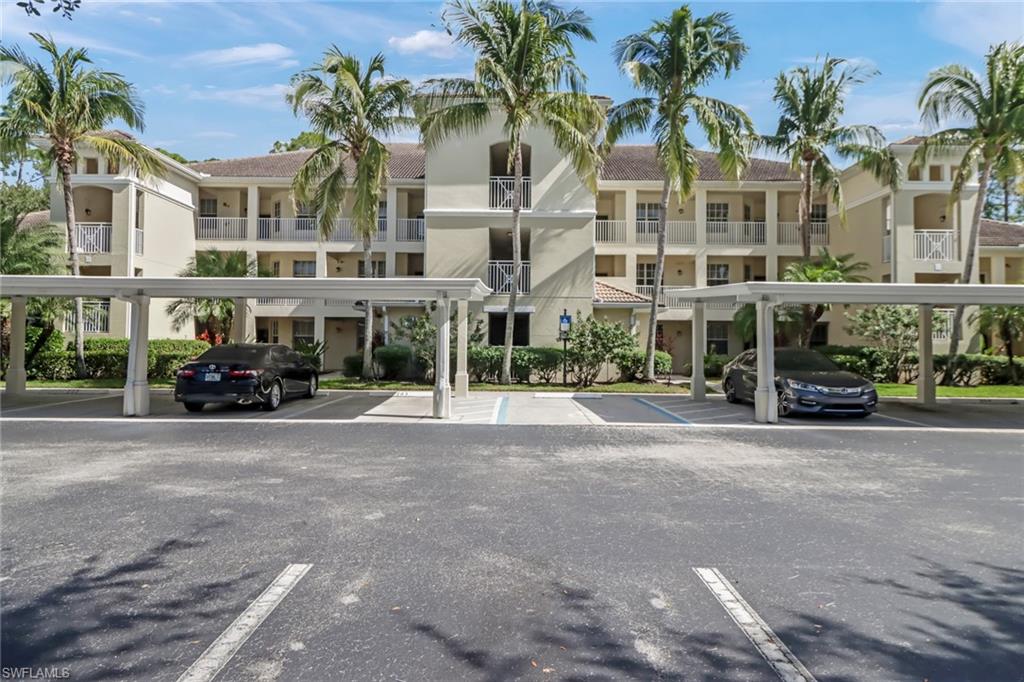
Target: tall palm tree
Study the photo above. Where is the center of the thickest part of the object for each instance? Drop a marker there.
(825, 268)
(353, 110)
(525, 73)
(69, 104)
(670, 62)
(811, 102)
(990, 113)
(214, 315)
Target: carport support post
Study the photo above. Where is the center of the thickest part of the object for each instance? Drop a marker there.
(239, 321)
(766, 404)
(16, 374)
(698, 384)
(442, 391)
(461, 351)
(136, 387)
(925, 358)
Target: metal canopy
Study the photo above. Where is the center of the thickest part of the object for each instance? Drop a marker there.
(855, 292)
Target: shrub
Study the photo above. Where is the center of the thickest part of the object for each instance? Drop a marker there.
(547, 363)
(393, 360)
(714, 364)
(352, 365)
(523, 362)
(485, 362)
(313, 352)
(592, 343)
(54, 365)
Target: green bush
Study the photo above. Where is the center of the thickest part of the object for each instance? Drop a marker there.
(313, 352)
(714, 364)
(484, 362)
(547, 363)
(52, 365)
(393, 360)
(593, 343)
(55, 342)
(352, 365)
(523, 362)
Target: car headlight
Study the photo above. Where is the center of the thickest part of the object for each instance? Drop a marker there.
(801, 386)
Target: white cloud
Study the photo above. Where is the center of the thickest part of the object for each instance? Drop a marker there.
(975, 26)
(241, 55)
(162, 89)
(433, 43)
(17, 26)
(262, 96)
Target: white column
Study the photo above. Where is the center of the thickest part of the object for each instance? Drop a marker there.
(442, 391)
(385, 324)
(700, 269)
(700, 203)
(771, 210)
(252, 212)
(131, 230)
(390, 263)
(136, 387)
(391, 197)
(698, 384)
(998, 266)
(240, 322)
(16, 375)
(925, 359)
(462, 351)
(766, 404)
(319, 322)
(631, 217)
(321, 261)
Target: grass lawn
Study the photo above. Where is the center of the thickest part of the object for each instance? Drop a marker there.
(625, 387)
(1001, 391)
(92, 383)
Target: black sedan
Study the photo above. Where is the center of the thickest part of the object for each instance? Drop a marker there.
(247, 374)
(806, 382)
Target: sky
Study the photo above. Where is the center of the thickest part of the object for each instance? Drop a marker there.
(213, 75)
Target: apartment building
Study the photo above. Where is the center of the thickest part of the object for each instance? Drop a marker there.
(446, 213)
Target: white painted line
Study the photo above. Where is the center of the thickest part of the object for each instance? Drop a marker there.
(898, 419)
(589, 414)
(61, 402)
(292, 415)
(495, 411)
(224, 647)
(767, 643)
(568, 396)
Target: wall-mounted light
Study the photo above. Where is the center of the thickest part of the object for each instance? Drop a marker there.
(942, 218)
(88, 211)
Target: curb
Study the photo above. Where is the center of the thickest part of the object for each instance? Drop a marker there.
(952, 400)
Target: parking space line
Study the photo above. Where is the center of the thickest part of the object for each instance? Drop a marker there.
(767, 643)
(230, 641)
(671, 415)
(500, 414)
(905, 421)
(291, 415)
(62, 402)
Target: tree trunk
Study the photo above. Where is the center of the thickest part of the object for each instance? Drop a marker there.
(1007, 333)
(368, 315)
(965, 278)
(65, 170)
(1006, 200)
(807, 179)
(517, 264)
(41, 340)
(659, 270)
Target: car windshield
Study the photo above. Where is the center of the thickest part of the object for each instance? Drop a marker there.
(249, 355)
(803, 360)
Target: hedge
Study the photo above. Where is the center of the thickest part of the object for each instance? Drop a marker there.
(352, 365)
(632, 363)
(108, 359)
(881, 365)
(393, 360)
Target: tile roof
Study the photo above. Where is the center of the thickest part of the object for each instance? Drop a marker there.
(606, 293)
(407, 162)
(999, 233)
(638, 163)
(34, 219)
(910, 140)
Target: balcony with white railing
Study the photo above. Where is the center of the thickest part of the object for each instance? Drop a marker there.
(677, 232)
(646, 231)
(287, 229)
(789, 234)
(934, 245)
(500, 276)
(748, 233)
(139, 242)
(410, 230)
(93, 237)
(344, 231)
(942, 324)
(229, 228)
(263, 301)
(610, 231)
(501, 191)
(664, 298)
(95, 316)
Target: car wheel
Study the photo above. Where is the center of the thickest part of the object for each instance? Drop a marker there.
(784, 408)
(730, 391)
(194, 407)
(314, 384)
(272, 401)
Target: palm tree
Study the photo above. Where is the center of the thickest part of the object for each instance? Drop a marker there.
(670, 62)
(825, 268)
(811, 102)
(215, 315)
(991, 132)
(70, 104)
(1008, 322)
(526, 73)
(352, 110)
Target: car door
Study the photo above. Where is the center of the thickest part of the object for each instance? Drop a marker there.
(284, 367)
(301, 370)
(747, 368)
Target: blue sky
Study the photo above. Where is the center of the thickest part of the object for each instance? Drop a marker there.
(213, 74)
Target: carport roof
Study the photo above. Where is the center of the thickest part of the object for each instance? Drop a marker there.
(338, 288)
(856, 292)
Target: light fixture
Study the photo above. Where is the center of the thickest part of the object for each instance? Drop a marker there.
(88, 211)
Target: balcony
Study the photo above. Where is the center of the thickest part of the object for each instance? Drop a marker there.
(501, 192)
(208, 227)
(96, 317)
(344, 231)
(93, 237)
(499, 276)
(789, 234)
(610, 231)
(139, 242)
(284, 301)
(665, 299)
(287, 229)
(410, 230)
(749, 233)
(934, 245)
(677, 232)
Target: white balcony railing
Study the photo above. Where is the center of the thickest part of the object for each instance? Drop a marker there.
(410, 230)
(345, 232)
(887, 248)
(208, 227)
(646, 231)
(93, 237)
(95, 315)
(749, 233)
(934, 245)
(499, 276)
(610, 231)
(287, 229)
(284, 301)
(664, 298)
(677, 232)
(139, 242)
(942, 324)
(501, 192)
(789, 233)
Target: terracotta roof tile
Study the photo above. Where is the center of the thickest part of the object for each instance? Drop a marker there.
(999, 233)
(606, 293)
(638, 163)
(407, 162)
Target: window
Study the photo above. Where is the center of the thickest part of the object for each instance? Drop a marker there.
(302, 332)
(496, 329)
(304, 268)
(376, 268)
(645, 274)
(819, 213)
(275, 331)
(208, 208)
(718, 338)
(718, 274)
(304, 210)
(277, 209)
(648, 211)
(914, 173)
(718, 212)
(819, 335)
(935, 173)
(92, 166)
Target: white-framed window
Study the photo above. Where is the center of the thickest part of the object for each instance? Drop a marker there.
(718, 274)
(645, 274)
(718, 212)
(92, 165)
(275, 331)
(819, 213)
(304, 268)
(648, 211)
(302, 331)
(935, 173)
(277, 209)
(718, 338)
(208, 208)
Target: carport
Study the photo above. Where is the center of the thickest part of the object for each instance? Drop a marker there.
(139, 291)
(767, 295)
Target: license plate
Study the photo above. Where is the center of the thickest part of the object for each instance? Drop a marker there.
(211, 376)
